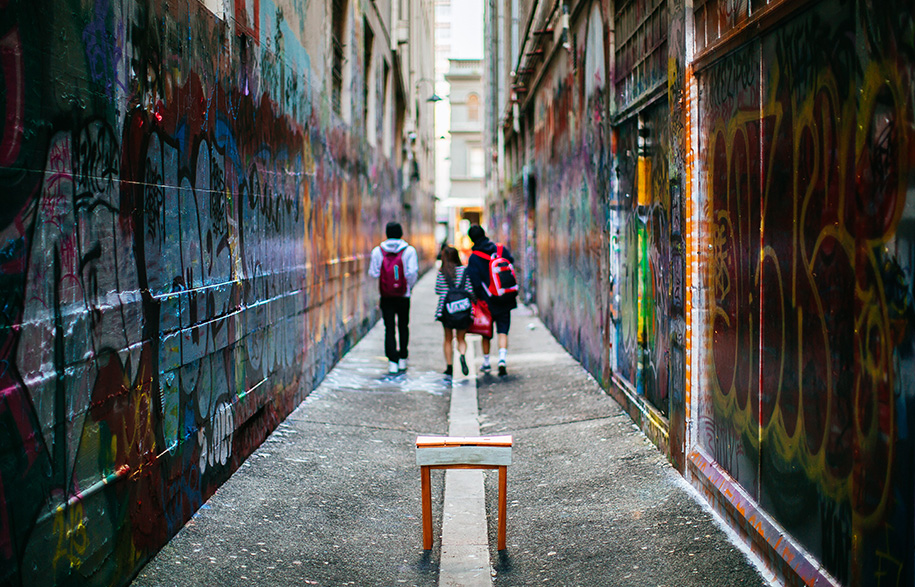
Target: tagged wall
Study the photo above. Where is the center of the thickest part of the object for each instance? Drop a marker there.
(604, 273)
(183, 243)
(571, 157)
(808, 136)
(729, 243)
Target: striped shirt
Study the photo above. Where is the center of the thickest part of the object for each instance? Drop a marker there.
(441, 288)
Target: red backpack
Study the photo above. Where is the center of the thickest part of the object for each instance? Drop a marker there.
(502, 279)
(393, 280)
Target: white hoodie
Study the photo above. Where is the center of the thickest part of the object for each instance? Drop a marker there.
(410, 260)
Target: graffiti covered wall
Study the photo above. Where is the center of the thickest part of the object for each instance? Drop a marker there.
(806, 156)
(732, 238)
(571, 155)
(602, 207)
(183, 239)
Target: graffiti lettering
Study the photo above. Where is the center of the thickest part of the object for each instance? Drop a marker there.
(166, 268)
(72, 538)
(800, 251)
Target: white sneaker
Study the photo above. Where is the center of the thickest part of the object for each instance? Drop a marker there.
(392, 368)
(402, 364)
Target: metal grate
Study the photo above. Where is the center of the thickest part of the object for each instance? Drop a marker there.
(641, 51)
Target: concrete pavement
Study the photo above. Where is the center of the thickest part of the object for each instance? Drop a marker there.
(333, 496)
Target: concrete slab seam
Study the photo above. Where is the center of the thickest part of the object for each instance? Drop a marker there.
(465, 539)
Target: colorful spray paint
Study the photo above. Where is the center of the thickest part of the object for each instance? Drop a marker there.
(807, 133)
(725, 238)
(183, 244)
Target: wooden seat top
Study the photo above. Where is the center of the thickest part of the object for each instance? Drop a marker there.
(447, 441)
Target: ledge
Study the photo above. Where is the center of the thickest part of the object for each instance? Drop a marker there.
(785, 558)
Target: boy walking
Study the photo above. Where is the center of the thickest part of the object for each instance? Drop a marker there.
(395, 265)
(500, 306)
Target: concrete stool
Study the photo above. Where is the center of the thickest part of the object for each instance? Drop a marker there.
(462, 452)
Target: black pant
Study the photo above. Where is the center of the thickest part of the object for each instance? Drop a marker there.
(398, 308)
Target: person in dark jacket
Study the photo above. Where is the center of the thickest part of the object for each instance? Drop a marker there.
(500, 307)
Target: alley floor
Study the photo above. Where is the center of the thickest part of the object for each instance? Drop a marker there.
(333, 496)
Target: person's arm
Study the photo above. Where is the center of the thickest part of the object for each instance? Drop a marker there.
(411, 266)
(468, 286)
(375, 264)
(440, 285)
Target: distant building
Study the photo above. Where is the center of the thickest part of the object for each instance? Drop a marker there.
(443, 32)
(464, 204)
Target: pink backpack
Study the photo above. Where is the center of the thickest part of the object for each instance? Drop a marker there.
(393, 280)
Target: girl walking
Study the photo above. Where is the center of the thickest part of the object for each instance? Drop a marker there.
(451, 276)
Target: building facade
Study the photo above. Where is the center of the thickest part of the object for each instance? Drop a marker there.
(190, 195)
(443, 35)
(464, 203)
(459, 37)
(715, 207)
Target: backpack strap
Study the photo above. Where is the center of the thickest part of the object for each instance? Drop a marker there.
(483, 255)
(499, 250)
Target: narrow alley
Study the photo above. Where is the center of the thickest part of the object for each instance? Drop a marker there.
(708, 212)
(332, 497)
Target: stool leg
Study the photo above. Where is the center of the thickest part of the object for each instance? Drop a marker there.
(503, 489)
(427, 508)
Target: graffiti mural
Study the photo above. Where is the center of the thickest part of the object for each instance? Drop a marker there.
(653, 224)
(624, 255)
(726, 235)
(183, 237)
(604, 274)
(572, 276)
(808, 136)
(640, 216)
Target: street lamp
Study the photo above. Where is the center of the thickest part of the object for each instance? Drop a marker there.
(434, 97)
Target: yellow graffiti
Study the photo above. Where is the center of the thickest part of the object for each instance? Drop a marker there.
(72, 539)
(826, 125)
(889, 568)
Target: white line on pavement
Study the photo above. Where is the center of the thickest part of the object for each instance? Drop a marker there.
(465, 540)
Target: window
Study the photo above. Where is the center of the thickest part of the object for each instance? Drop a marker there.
(338, 30)
(367, 93)
(473, 107)
(385, 110)
(640, 59)
(475, 163)
(714, 20)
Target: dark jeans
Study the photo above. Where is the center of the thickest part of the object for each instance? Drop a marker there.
(399, 309)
